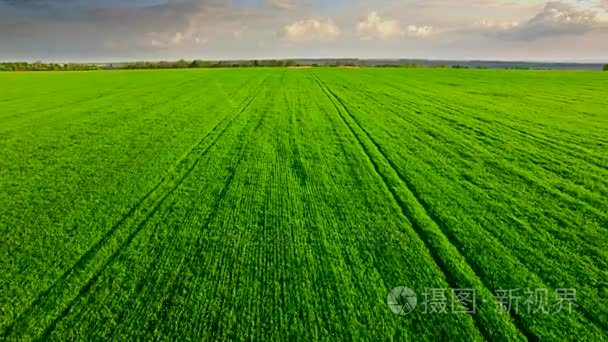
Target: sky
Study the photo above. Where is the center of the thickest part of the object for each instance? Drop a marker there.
(115, 30)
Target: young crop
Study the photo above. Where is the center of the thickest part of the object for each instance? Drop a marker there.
(280, 204)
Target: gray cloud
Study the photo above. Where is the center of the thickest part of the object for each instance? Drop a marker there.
(26, 3)
(211, 29)
(94, 29)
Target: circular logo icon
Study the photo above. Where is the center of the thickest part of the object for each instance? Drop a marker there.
(401, 300)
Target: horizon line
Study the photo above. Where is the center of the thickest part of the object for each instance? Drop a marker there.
(67, 61)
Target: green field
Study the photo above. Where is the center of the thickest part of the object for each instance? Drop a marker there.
(286, 203)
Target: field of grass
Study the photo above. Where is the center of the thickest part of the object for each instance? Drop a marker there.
(286, 203)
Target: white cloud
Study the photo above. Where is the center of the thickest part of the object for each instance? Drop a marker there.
(500, 25)
(419, 31)
(281, 4)
(238, 34)
(556, 19)
(375, 27)
(177, 38)
(156, 43)
(311, 29)
(162, 40)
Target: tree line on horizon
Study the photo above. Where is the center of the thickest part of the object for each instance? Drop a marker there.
(183, 64)
(272, 63)
(39, 66)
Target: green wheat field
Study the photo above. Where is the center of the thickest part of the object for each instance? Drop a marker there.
(285, 204)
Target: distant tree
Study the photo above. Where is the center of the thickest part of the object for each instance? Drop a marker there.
(411, 65)
(605, 67)
(181, 64)
(40, 66)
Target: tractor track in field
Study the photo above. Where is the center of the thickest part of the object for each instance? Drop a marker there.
(56, 108)
(168, 302)
(566, 196)
(407, 212)
(546, 141)
(87, 256)
(556, 192)
(533, 136)
(552, 143)
(297, 166)
(82, 262)
(216, 206)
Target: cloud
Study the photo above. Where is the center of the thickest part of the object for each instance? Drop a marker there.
(178, 38)
(174, 26)
(159, 40)
(217, 29)
(281, 4)
(179, 25)
(375, 27)
(311, 29)
(556, 19)
(498, 25)
(18, 3)
(419, 31)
